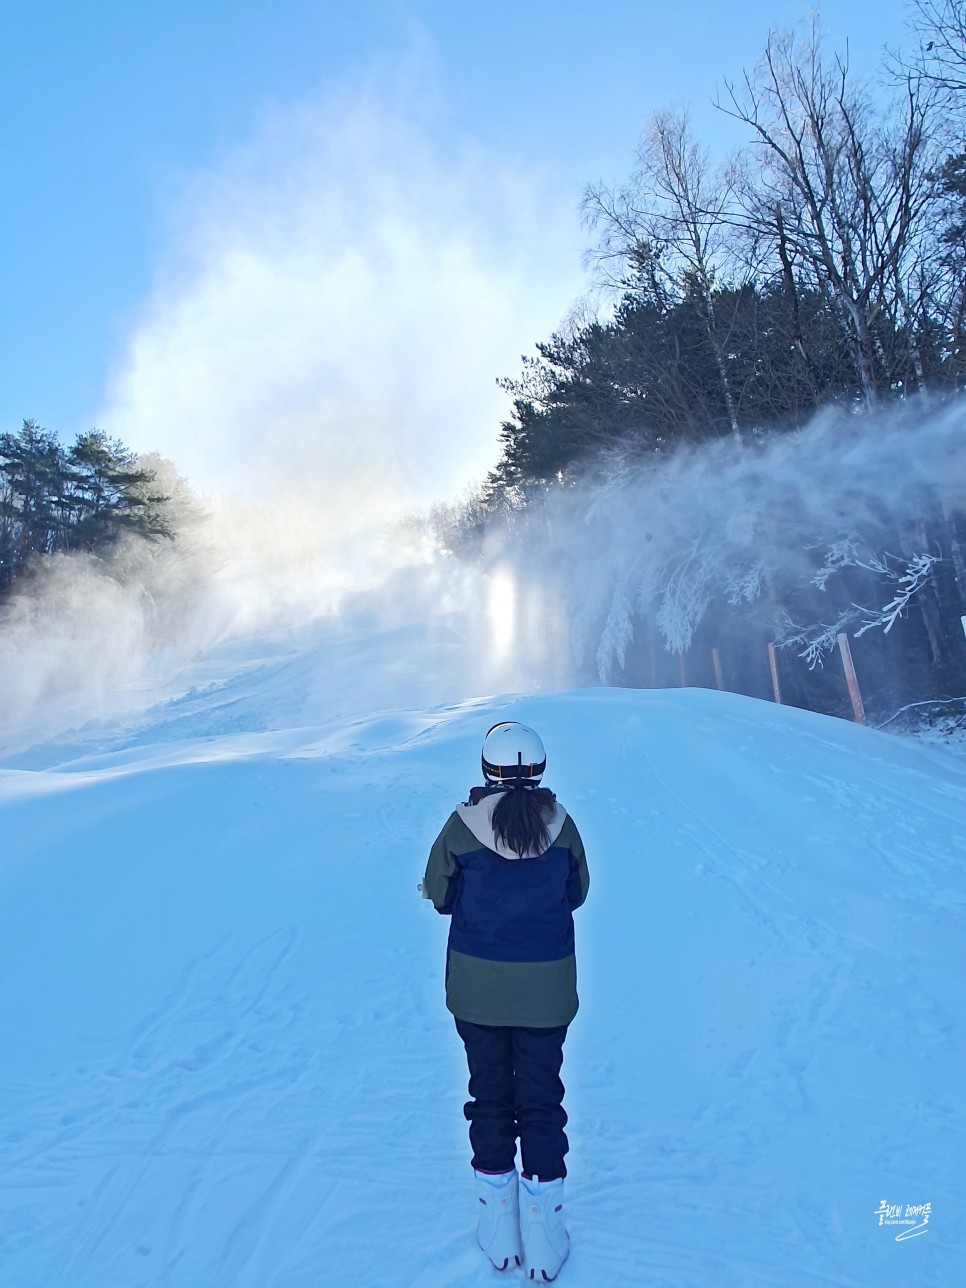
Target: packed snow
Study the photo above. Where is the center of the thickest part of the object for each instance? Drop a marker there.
(227, 1062)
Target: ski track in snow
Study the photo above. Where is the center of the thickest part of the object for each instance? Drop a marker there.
(230, 1063)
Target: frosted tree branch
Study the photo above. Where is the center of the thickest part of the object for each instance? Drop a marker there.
(618, 633)
(686, 596)
(743, 585)
(918, 570)
(816, 645)
(840, 554)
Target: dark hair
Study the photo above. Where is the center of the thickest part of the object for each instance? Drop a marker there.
(520, 819)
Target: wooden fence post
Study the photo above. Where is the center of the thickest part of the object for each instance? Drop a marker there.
(850, 678)
(773, 667)
(716, 659)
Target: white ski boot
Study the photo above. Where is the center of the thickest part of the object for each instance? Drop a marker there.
(498, 1231)
(545, 1241)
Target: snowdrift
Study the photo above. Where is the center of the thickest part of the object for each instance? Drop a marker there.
(226, 1059)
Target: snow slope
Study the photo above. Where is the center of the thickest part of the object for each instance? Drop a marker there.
(226, 1059)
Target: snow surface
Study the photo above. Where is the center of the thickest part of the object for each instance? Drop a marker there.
(227, 1063)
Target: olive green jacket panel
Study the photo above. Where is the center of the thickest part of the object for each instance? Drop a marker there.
(455, 838)
(538, 995)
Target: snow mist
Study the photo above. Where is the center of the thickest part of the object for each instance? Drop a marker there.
(318, 360)
(789, 538)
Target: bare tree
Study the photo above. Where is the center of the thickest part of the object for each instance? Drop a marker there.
(837, 190)
(672, 220)
(940, 58)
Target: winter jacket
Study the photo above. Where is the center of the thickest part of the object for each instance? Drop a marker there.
(510, 957)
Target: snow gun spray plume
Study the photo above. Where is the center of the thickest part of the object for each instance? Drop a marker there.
(853, 524)
(317, 359)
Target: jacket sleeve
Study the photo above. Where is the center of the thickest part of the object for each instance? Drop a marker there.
(441, 882)
(578, 883)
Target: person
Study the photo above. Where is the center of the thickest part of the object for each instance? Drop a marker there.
(509, 869)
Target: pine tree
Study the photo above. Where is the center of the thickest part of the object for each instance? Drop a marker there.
(54, 501)
(110, 494)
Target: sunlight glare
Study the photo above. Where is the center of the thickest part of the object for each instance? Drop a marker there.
(502, 611)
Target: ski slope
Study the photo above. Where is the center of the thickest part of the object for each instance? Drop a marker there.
(226, 1060)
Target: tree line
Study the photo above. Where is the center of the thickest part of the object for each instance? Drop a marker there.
(826, 262)
(57, 500)
(822, 266)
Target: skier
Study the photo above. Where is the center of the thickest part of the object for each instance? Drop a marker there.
(509, 868)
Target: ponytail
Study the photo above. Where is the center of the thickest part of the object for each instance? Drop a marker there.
(520, 820)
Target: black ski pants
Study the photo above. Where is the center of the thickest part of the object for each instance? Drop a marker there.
(516, 1091)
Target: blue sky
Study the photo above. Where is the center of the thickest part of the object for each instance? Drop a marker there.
(154, 153)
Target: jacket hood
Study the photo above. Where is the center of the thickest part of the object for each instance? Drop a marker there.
(479, 819)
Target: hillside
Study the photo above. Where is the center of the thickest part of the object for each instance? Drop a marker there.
(227, 1061)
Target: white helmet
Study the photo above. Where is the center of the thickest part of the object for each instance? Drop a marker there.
(513, 752)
